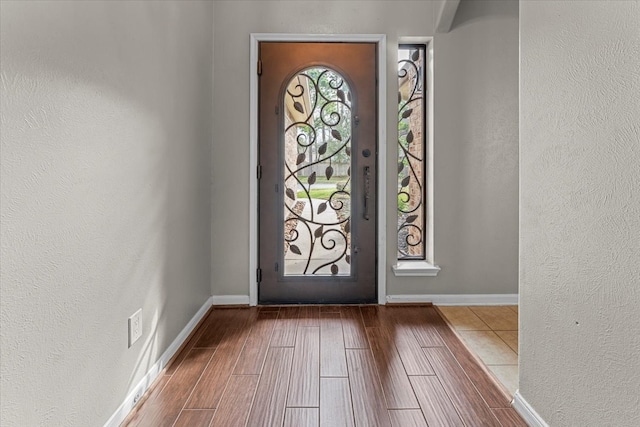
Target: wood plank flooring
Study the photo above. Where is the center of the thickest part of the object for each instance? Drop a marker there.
(327, 366)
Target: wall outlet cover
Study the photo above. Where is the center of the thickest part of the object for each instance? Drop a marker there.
(135, 327)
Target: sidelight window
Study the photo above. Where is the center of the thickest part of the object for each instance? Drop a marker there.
(415, 250)
(412, 89)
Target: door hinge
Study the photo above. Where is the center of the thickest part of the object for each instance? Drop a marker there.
(259, 275)
(259, 67)
(276, 266)
(277, 110)
(259, 172)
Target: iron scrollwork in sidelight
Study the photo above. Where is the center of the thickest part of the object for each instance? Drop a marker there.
(411, 149)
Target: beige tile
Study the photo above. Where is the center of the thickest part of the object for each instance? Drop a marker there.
(489, 347)
(510, 337)
(499, 318)
(507, 375)
(463, 319)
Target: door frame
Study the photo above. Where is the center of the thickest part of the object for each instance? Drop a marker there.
(381, 41)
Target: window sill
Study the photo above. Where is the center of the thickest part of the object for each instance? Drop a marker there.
(415, 269)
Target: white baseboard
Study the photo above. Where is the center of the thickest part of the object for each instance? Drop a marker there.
(129, 402)
(526, 411)
(230, 299)
(467, 299)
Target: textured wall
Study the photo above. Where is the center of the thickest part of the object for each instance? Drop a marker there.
(476, 133)
(580, 211)
(105, 204)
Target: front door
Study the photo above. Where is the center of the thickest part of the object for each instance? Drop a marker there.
(318, 178)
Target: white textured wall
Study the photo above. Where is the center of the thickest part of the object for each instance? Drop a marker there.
(580, 211)
(105, 203)
(476, 133)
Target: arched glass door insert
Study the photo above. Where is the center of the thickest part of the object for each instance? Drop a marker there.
(317, 167)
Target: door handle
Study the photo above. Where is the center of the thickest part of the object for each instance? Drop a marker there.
(367, 173)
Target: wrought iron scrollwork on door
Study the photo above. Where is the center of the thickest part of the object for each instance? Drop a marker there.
(317, 173)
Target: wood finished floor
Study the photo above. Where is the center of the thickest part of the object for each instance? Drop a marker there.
(327, 366)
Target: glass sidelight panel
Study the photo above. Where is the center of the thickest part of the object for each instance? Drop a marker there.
(411, 151)
(317, 174)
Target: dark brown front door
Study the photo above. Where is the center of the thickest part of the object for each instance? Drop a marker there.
(317, 157)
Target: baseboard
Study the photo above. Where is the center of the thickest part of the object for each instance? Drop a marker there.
(526, 411)
(130, 401)
(465, 299)
(468, 299)
(230, 299)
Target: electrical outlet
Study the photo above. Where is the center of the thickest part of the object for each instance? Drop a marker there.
(137, 397)
(135, 327)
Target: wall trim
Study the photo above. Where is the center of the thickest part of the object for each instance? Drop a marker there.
(464, 299)
(230, 300)
(415, 269)
(381, 40)
(526, 411)
(143, 385)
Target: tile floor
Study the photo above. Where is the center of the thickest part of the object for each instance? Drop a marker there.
(491, 332)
